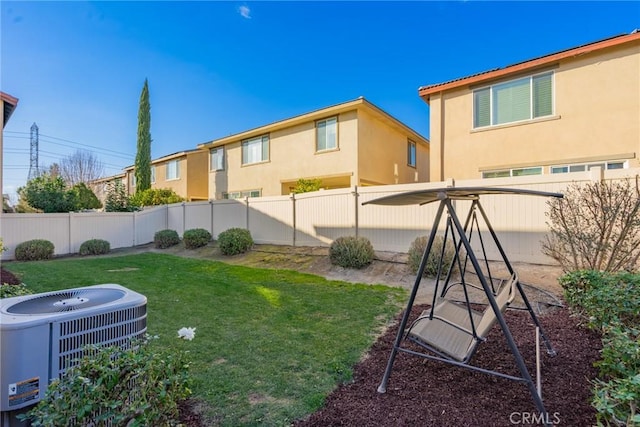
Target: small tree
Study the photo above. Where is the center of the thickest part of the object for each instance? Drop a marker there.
(143, 154)
(306, 185)
(85, 197)
(80, 167)
(596, 226)
(48, 194)
(117, 199)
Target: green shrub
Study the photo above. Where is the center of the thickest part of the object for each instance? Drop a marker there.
(610, 304)
(196, 238)
(33, 250)
(235, 241)
(351, 252)
(139, 386)
(8, 291)
(166, 238)
(416, 250)
(95, 247)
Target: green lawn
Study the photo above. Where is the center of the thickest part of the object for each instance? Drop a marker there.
(270, 344)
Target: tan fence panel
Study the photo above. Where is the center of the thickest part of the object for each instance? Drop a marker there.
(228, 214)
(197, 215)
(323, 216)
(175, 217)
(18, 228)
(148, 222)
(271, 219)
(115, 227)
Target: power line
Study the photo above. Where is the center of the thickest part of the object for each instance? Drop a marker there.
(47, 137)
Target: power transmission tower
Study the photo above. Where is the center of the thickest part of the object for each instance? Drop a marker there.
(34, 170)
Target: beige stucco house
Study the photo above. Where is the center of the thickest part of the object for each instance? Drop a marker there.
(563, 112)
(184, 172)
(348, 144)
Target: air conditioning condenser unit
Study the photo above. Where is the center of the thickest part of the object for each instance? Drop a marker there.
(42, 335)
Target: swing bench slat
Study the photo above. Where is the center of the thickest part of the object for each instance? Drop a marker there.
(450, 330)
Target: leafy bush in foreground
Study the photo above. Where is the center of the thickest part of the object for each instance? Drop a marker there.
(610, 303)
(8, 291)
(34, 250)
(139, 386)
(235, 241)
(351, 252)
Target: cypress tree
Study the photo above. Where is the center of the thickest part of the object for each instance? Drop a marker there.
(143, 154)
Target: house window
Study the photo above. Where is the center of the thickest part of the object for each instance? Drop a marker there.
(255, 150)
(173, 170)
(517, 100)
(505, 173)
(581, 167)
(217, 159)
(411, 153)
(241, 194)
(153, 174)
(133, 179)
(327, 134)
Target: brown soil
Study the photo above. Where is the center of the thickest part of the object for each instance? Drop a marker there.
(429, 393)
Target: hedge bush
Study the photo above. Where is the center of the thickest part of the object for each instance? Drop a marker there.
(166, 238)
(196, 238)
(34, 250)
(351, 252)
(235, 241)
(416, 250)
(95, 247)
(137, 386)
(609, 304)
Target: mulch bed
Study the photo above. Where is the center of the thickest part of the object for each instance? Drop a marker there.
(423, 392)
(7, 277)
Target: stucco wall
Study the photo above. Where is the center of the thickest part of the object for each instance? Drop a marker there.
(597, 117)
(382, 154)
(196, 174)
(292, 155)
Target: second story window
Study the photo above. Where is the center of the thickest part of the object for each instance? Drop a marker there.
(133, 179)
(411, 153)
(327, 134)
(255, 150)
(153, 174)
(517, 100)
(217, 159)
(173, 170)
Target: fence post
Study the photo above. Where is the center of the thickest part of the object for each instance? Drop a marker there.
(355, 197)
(211, 205)
(246, 200)
(293, 209)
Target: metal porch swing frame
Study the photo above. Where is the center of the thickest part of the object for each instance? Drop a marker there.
(497, 299)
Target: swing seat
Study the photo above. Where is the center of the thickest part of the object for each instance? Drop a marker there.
(450, 331)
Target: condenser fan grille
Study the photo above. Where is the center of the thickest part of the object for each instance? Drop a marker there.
(75, 299)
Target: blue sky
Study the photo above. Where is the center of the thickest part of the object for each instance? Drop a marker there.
(218, 68)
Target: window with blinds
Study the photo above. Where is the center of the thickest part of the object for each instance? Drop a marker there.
(172, 170)
(517, 100)
(217, 159)
(327, 134)
(255, 150)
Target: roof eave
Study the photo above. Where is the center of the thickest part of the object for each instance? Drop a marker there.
(426, 92)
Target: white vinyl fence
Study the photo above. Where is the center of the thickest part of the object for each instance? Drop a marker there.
(312, 219)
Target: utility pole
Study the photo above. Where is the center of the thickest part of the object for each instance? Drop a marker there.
(34, 169)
